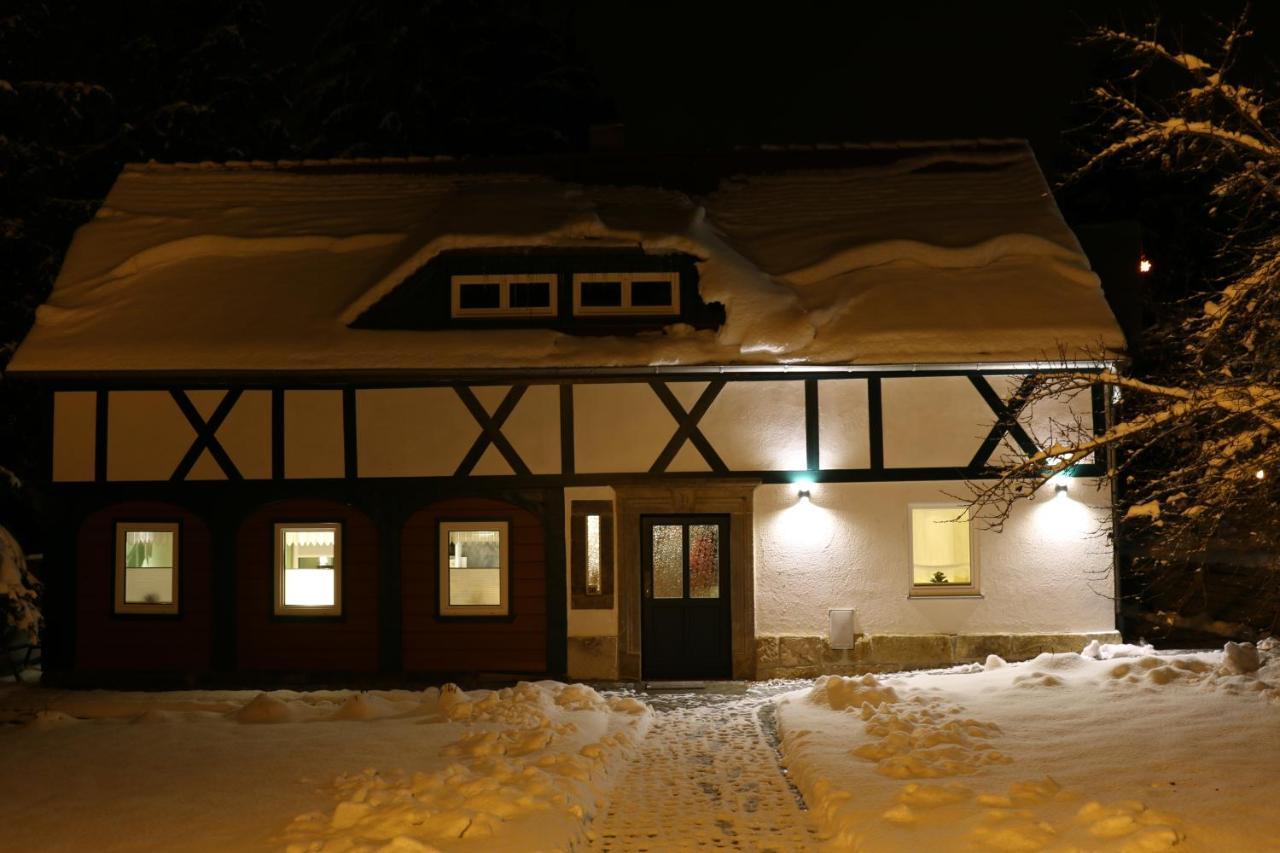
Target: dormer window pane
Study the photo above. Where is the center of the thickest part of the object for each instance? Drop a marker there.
(472, 296)
(534, 294)
(651, 293)
(601, 294)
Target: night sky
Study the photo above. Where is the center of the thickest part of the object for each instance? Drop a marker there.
(689, 75)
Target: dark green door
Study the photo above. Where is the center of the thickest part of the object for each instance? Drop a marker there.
(684, 577)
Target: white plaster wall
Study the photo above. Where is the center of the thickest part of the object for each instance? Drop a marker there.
(313, 434)
(932, 421)
(1047, 421)
(758, 426)
(534, 429)
(618, 427)
(844, 439)
(147, 435)
(412, 432)
(589, 623)
(1049, 571)
(246, 435)
(74, 424)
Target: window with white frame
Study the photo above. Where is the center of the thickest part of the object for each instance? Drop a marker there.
(626, 293)
(942, 550)
(147, 568)
(308, 569)
(473, 568)
(503, 295)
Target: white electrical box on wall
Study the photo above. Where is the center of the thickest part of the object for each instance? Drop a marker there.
(840, 634)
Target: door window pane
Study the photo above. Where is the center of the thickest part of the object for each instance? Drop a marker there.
(475, 568)
(668, 561)
(704, 561)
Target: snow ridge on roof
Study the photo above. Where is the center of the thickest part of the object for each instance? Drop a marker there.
(917, 253)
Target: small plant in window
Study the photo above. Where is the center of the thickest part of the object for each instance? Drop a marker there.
(939, 577)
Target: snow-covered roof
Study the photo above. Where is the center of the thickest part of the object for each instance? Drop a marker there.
(883, 255)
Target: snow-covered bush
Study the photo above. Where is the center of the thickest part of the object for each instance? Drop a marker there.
(19, 590)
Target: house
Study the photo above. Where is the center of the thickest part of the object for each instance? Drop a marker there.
(598, 416)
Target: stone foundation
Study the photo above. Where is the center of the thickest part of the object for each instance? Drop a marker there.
(593, 658)
(806, 657)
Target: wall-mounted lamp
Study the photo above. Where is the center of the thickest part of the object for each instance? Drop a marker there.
(803, 489)
(1059, 489)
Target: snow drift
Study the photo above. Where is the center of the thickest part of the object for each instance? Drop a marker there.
(1120, 748)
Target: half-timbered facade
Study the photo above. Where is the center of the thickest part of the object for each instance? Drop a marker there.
(365, 421)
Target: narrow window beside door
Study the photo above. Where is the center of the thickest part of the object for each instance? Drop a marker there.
(591, 554)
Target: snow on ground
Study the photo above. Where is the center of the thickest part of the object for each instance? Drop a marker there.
(707, 778)
(1120, 748)
(521, 768)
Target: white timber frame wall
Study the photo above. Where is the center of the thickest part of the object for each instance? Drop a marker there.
(874, 441)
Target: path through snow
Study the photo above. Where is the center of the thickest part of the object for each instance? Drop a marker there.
(706, 777)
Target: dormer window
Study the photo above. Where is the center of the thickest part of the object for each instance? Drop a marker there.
(508, 295)
(581, 292)
(651, 293)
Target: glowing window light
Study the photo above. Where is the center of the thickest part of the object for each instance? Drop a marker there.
(308, 587)
(146, 562)
(473, 568)
(593, 555)
(308, 569)
(940, 553)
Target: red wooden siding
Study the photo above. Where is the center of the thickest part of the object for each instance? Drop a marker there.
(161, 643)
(348, 643)
(516, 644)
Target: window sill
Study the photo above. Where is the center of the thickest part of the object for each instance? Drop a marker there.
(943, 596)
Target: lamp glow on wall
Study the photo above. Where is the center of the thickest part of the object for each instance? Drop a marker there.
(801, 523)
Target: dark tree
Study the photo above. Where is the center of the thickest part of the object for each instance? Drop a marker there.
(1196, 448)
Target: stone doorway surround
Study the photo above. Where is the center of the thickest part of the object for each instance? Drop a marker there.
(732, 497)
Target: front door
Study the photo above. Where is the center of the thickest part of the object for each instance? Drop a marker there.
(684, 577)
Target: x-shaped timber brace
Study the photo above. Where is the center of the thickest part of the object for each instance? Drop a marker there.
(491, 430)
(205, 435)
(687, 427)
(1006, 420)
